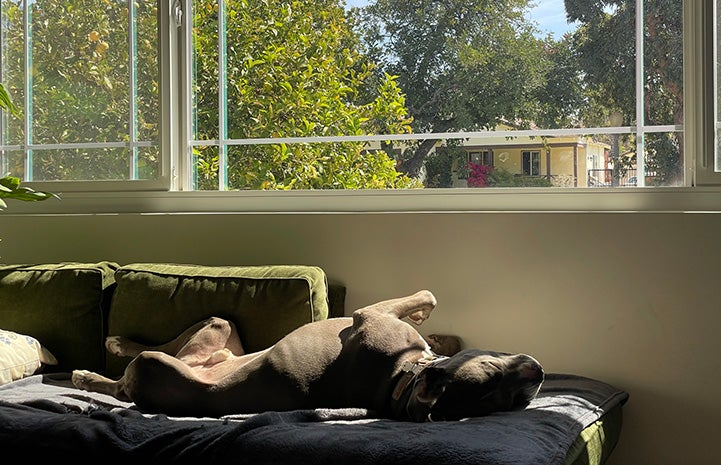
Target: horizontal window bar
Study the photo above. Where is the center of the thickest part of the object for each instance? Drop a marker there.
(441, 135)
(79, 145)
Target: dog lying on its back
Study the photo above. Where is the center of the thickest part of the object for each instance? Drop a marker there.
(371, 360)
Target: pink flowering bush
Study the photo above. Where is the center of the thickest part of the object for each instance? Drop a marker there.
(478, 175)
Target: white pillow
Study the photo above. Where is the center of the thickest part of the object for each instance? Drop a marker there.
(21, 356)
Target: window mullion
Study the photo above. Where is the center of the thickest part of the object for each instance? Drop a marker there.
(28, 94)
(640, 103)
(222, 101)
(132, 91)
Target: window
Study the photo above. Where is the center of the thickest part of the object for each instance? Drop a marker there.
(531, 163)
(270, 113)
(320, 95)
(481, 157)
(84, 76)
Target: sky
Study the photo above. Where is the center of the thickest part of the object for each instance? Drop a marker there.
(550, 16)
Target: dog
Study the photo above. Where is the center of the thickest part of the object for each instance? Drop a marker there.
(373, 360)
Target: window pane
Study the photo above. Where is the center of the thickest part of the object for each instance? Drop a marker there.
(205, 70)
(87, 164)
(12, 70)
(663, 100)
(438, 70)
(84, 73)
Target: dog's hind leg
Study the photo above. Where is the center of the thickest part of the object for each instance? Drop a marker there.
(417, 307)
(194, 345)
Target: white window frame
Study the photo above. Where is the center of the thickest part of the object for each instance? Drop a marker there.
(701, 193)
(700, 78)
(162, 182)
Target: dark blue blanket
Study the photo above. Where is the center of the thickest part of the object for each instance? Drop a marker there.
(44, 417)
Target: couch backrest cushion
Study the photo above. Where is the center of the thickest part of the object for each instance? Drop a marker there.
(154, 302)
(62, 305)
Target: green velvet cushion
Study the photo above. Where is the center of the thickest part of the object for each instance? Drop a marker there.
(153, 303)
(62, 306)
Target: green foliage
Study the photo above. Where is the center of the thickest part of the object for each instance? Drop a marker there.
(500, 177)
(443, 163)
(6, 103)
(293, 70)
(466, 65)
(10, 188)
(605, 48)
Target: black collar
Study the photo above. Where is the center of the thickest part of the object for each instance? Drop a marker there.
(411, 370)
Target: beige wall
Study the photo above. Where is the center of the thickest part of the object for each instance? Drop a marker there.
(632, 299)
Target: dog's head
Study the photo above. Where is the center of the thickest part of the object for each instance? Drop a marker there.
(474, 383)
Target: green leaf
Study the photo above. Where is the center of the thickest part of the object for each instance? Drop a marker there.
(7, 104)
(10, 189)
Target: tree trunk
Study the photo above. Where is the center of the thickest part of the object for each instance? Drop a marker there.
(412, 166)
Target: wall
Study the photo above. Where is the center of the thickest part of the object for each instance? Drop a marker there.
(631, 299)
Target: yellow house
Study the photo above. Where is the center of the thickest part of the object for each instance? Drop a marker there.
(568, 161)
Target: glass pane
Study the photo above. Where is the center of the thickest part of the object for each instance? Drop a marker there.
(664, 163)
(13, 163)
(205, 70)
(347, 165)
(148, 163)
(663, 62)
(330, 69)
(147, 76)
(205, 168)
(12, 69)
(87, 164)
(82, 72)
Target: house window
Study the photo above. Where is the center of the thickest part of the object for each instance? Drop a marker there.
(317, 95)
(531, 163)
(481, 157)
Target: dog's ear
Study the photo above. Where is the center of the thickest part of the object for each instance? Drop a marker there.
(430, 385)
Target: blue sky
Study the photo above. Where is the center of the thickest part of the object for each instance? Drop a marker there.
(550, 15)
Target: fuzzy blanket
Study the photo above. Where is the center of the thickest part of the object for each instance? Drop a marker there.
(44, 416)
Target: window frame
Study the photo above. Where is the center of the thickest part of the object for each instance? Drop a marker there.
(167, 145)
(699, 86)
(171, 193)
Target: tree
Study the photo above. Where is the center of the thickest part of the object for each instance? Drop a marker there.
(605, 44)
(464, 65)
(293, 70)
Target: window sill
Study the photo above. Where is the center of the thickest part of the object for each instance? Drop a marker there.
(698, 199)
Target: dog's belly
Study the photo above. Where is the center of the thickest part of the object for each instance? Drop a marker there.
(292, 374)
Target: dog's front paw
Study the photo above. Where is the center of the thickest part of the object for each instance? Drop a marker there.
(81, 379)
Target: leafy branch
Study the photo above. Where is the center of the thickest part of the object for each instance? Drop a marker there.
(10, 188)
